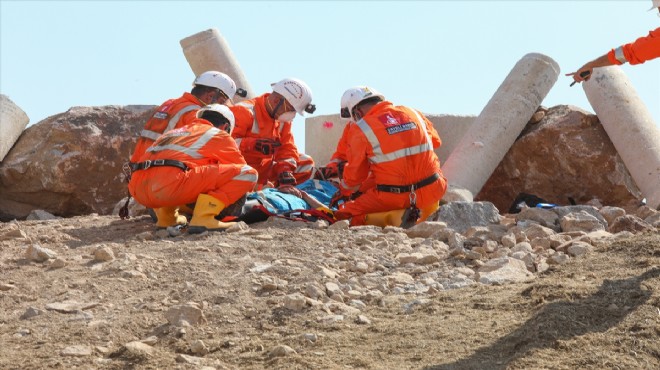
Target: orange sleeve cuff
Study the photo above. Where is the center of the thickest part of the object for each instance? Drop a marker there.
(612, 58)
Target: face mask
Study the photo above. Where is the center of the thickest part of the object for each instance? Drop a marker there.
(286, 117)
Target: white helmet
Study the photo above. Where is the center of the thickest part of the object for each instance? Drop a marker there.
(656, 5)
(218, 80)
(353, 97)
(219, 108)
(297, 93)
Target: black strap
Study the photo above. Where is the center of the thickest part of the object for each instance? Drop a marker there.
(408, 188)
(158, 163)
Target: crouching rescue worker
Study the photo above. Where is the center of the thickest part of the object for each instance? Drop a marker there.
(208, 88)
(390, 147)
(198, 163)
(263, 133)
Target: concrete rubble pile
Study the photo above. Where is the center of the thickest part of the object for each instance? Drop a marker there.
(348, 269)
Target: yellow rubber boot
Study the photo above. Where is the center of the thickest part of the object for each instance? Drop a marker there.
(206, 208)
(382, 219)
(427, 211)
(168, 216)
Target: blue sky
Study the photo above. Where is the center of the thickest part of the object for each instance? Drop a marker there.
(437, 56)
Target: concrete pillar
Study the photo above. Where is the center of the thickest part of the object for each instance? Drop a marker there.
(500, 122)
(629, 125)
(323, 132)
(209, 51)
(12, 123)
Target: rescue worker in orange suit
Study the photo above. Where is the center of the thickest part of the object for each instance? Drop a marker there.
(637, 52)
(263, 133)
(334, 170)
(198, 163)
(391, 147)
(208, 88)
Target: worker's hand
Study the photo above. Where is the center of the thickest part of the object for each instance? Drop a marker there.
(290, 189)
(336, 198)
(324, 173)
(266, 146)
(286, 178)
(582, 74)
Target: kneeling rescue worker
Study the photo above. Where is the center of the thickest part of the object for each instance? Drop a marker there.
(390, 147)
(198, 162)
(263, 133)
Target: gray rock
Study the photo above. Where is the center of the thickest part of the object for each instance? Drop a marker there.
(460, 216)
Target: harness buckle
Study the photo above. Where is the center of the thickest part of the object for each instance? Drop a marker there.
(395, 190)
(147, 164)
(158, 162)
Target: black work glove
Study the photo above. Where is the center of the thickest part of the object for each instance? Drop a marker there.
(324, 173)
(286, 178)
(336, 198)
(266, 146)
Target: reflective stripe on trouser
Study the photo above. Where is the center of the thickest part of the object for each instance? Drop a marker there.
(266, 170)
(373, 201)
(165, 186)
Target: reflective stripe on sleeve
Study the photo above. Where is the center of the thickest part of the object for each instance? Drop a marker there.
(380, 157)
(351, 188)
(193, 150)
(305, 168)
(148, 134)
(618, 54)
(247, 174)
(174, 120)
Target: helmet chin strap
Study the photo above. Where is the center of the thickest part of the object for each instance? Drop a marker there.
(277, 106)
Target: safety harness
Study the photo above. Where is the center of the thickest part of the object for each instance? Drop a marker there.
(158, 163)
(130, 167)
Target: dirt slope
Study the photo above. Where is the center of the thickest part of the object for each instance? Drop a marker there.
(600, 311)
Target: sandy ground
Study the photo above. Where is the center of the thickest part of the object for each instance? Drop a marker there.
(262, 294)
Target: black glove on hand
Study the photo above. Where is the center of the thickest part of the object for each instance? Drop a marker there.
(266, 146)
(336, 198)
(324, 173)
(286, 178)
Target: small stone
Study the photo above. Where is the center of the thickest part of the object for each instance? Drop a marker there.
(138, 348)
(58, 263)
(295, 302)
(181, 358)
(311, 337)
(31, 312)
(339, 225)
(76, 351)
(199, 347)
(39, 254)
(281, 351)
(150, 340)
(363, 320)
(237, 226)
(186, 314)
(103, 254)
(6, 287)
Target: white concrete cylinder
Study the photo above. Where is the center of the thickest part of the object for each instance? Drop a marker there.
(629, 125)
(209, 51)
(500, 122)
(12, 123)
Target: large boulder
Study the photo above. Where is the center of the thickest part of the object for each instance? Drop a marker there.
(566, 155)
(71, 163)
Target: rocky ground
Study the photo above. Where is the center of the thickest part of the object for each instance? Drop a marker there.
(100, 292)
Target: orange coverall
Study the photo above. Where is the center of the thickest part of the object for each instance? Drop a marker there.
(393, 145)
(252, 123)
(216, 167)
(637, 52)
(172, 114)
(341, 155)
